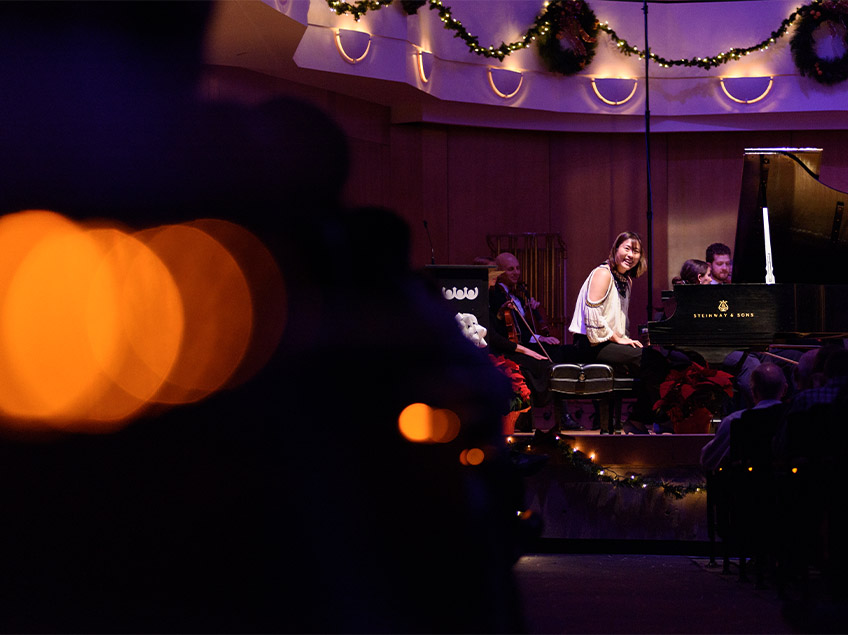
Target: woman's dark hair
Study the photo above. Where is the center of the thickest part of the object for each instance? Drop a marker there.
(642, 266)
(691, 271)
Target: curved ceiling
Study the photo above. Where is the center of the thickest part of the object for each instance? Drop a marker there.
(295, 40)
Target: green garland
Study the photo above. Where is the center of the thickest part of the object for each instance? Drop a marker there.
(550, 25)
(703, 62)
(575, 22)
(803, 45)
(579, 460)
(357, 9)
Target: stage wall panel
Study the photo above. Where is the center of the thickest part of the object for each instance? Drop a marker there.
(468, 182)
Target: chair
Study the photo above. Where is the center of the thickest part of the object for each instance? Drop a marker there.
(810, 449)
(718, 515)
(753, 488)
(593, 381)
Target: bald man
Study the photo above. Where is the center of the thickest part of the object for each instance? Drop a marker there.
(507, 289)
(527, 349)
(768, 385)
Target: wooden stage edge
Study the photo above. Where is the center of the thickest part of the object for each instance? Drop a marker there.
(636, 450)
(582, 513)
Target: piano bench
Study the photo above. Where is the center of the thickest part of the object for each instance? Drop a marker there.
(596, 382)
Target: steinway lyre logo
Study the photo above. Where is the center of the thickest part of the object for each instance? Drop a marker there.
(723, 306)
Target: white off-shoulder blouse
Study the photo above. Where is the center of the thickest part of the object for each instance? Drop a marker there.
(599, 320)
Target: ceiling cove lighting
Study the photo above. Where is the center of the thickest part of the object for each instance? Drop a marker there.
(614, 91)
(504, 82)
(424, 61)
(353, 45)
(746, 90)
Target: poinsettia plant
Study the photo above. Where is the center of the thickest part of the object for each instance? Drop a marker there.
(693, 388)
(520, 392)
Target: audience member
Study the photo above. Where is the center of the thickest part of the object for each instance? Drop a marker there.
(721, 265)
(804, 376)
(291, 503)
(833, 362)
(693, 272)
(768, 386)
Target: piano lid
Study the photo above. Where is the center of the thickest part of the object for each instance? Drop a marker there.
(809, 239)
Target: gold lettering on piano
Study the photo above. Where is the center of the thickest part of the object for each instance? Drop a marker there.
(708, 316)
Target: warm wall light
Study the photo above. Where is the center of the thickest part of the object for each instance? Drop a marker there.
(425, 65)
(614, 91)
(746, 90)
(504, 82)
(353, 45)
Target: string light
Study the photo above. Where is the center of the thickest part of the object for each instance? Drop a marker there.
(574, 457)
(703, 62)
(541, 26)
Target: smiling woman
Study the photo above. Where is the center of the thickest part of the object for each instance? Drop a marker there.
(601, 326)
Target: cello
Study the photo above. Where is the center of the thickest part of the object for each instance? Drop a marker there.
(538, 319)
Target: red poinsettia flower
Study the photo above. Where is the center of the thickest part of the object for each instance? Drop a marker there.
(695, 387)
(520, 391)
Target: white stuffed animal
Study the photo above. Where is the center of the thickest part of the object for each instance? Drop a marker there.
(472, 329)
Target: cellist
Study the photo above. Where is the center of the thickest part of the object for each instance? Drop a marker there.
(511, 334)
(509, 293)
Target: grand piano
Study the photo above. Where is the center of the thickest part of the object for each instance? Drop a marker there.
(782, 199)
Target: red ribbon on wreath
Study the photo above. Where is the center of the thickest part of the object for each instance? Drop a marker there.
(836, 6)
(570, 29)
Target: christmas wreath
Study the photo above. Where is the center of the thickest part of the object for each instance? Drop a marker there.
(574, 22)
(411, 6)
(803, 45)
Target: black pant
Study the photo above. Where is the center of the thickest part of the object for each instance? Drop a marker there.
(622, 357)
(537, 375)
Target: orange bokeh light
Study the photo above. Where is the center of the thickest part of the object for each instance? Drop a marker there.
(47, 365)
(217, 309)
(95, 323)
(267, 292)
(136, 284)
(475, 456)
(445, 426)
(414, 422)
(420, 423)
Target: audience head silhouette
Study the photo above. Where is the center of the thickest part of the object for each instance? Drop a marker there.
(768, 382)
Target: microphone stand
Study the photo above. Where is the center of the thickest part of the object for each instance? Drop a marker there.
(430, 240)
(650, 209)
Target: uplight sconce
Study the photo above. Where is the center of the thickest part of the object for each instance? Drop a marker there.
(614, 91)
(746, 90)
(353, 45)
(425, 65)
(504, 82)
